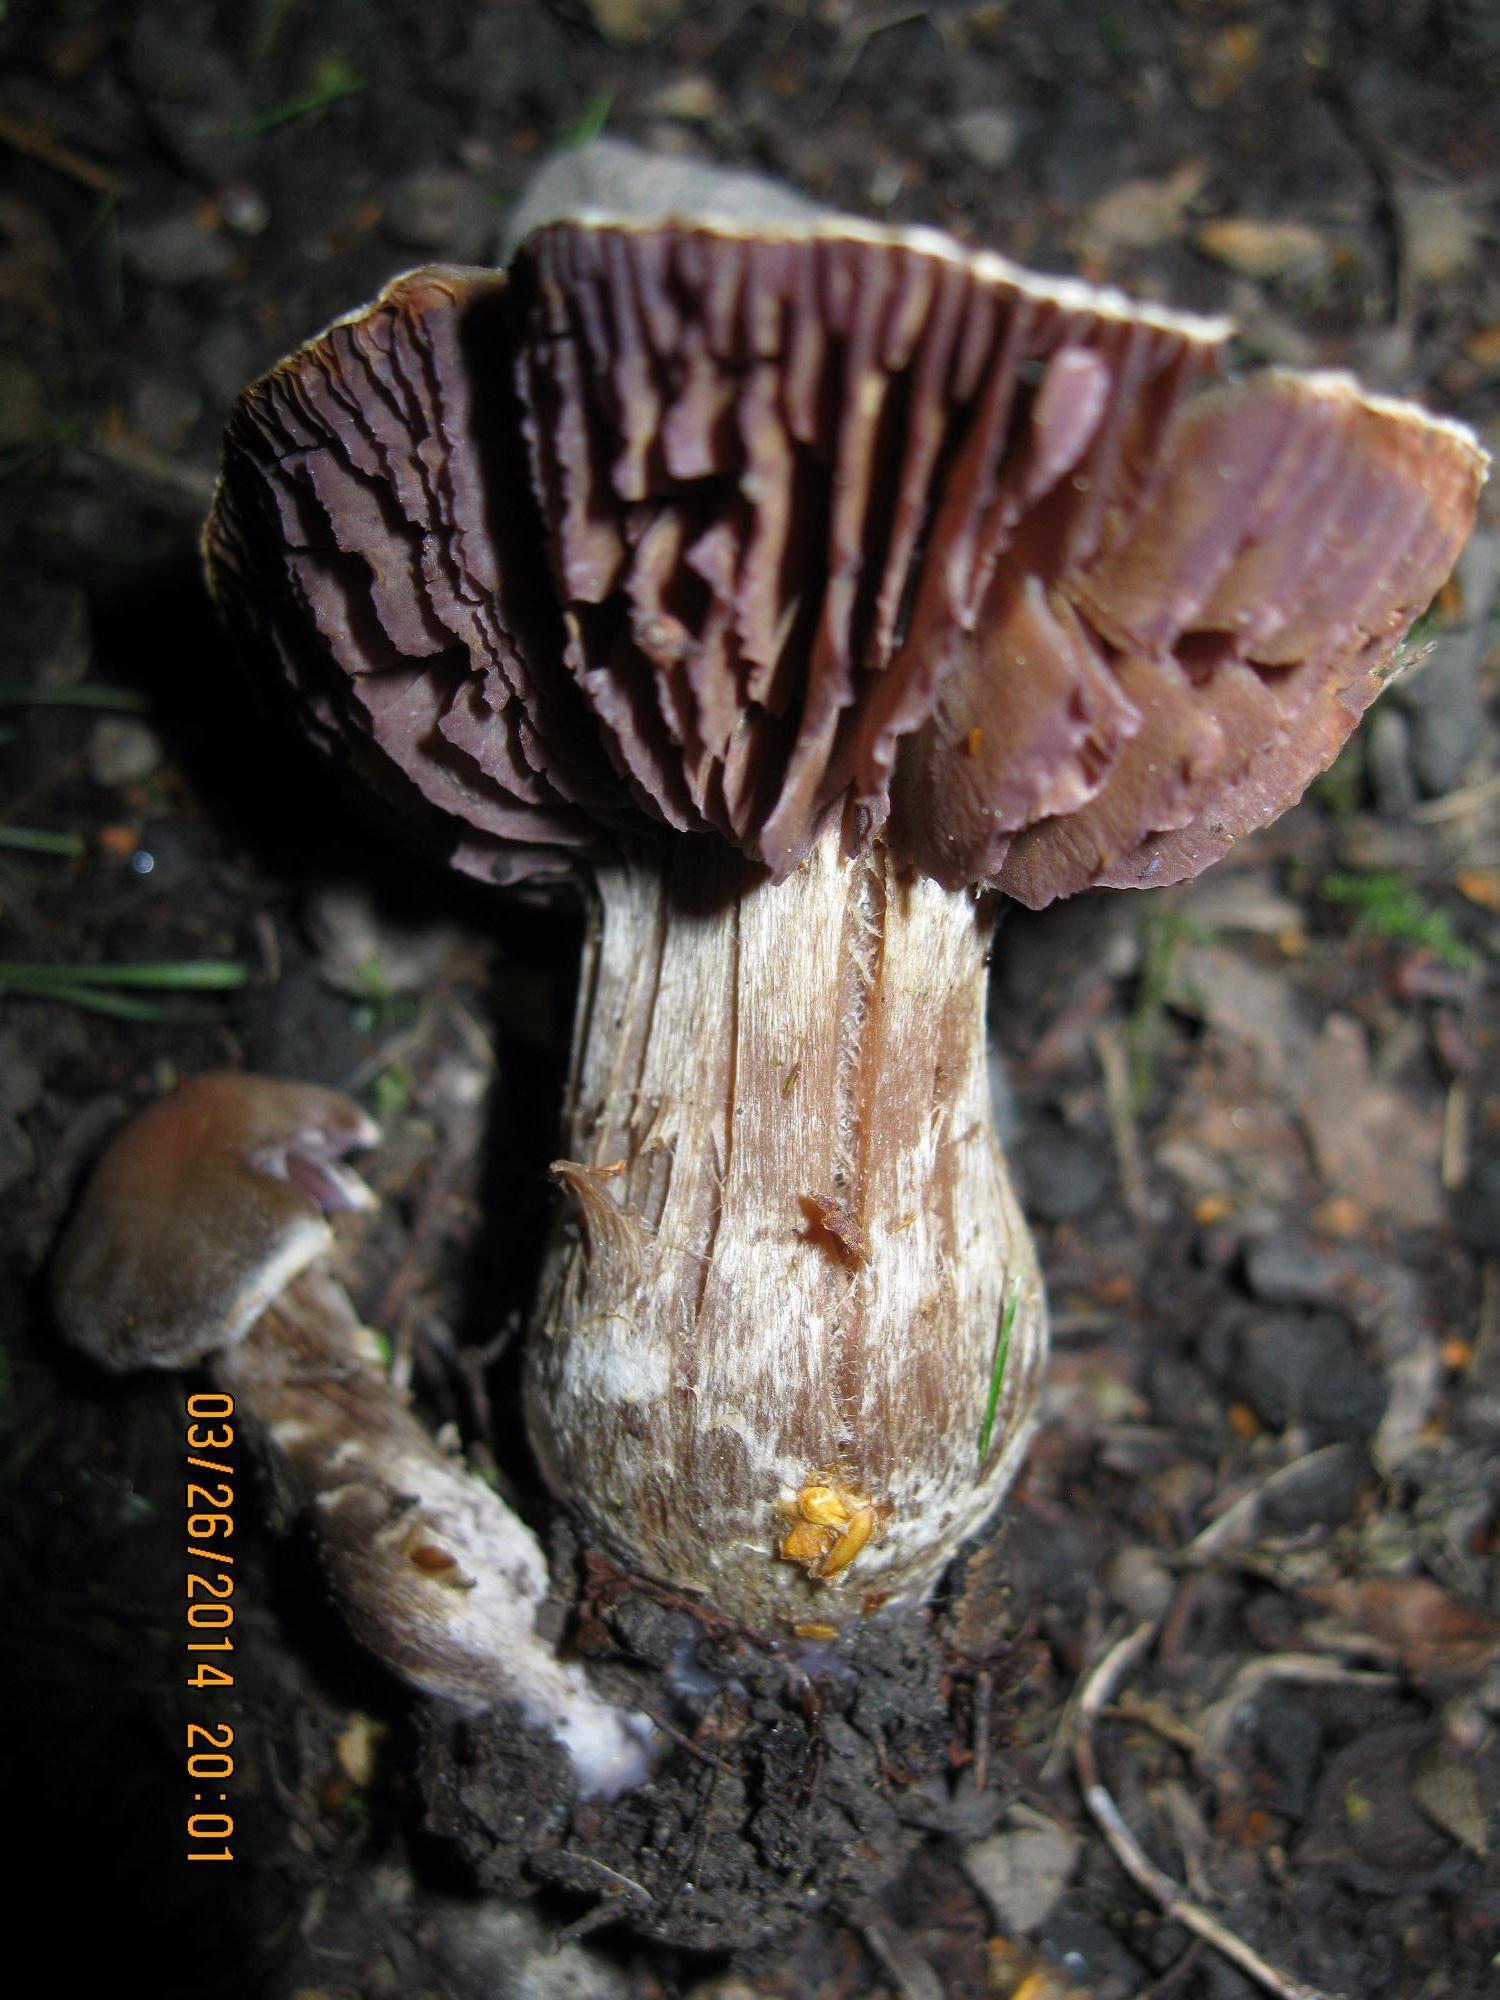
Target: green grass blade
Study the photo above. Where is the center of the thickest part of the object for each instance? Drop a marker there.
(997, 1372)
(334, 79)
(38, 840)
(188, 975)
(590, 122)
(81, 694)
(1387, 905)
(118, 1006)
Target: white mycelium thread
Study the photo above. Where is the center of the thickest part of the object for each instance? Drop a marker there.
(780, 1102)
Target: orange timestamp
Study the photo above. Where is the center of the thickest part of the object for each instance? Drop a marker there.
(209, 1509)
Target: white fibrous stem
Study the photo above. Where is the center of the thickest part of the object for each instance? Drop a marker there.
(435, 1573)
(791, 1333)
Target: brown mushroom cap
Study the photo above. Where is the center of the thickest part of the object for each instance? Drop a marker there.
(720, 526)
(200, 1213)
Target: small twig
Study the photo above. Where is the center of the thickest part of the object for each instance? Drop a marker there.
(473, 1364)
(1097, 1691)
(616, 1884)
(1176, 1972)
(432, 1195)
(1159, 1719)
(1114, 1066)
(1237, 1527)
(984, 1687)
(1178, 1617)
(263, 929)
(390, 1052)
(914, 1977)
(31, 137)
(1218, 1719)
(1090, 1638)
(1456, 804)
(617, 1888)
(685, 1742)
(1192, 1837)
(605, 1911)
(693, 1860)
(1487, 1327)
(1088, 1319)
(1455, 1154)
(814, 1785)
(1366, 138)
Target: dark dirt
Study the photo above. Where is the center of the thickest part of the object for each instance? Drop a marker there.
(1259, 1118)
(807, 1778)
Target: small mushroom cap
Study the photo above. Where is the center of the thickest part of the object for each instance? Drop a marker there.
(200, 1213)
(721, 526)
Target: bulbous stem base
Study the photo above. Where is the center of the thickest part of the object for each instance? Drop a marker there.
(791, 1331)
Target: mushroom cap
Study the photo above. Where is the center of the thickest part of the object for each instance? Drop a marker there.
(200, 1214)
(723, 526)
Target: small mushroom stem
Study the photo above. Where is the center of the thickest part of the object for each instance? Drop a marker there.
(795, 1261)
(437, 1577)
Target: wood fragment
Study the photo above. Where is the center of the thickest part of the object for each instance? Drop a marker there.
(914, 1977)
(1239, 1524)
(1456, 1116)
(1155, 1882)
(31, 137)
(984, 1686)
(1114, 1066)
(1171, 1980)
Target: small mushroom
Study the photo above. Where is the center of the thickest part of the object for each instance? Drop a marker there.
(202, 1236)
(201, 1214)
(792, 582)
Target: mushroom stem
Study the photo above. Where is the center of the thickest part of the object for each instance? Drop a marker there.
(436, 1576)
(795, 1248)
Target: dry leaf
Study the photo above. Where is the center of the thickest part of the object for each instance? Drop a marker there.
(356, 1747)
(1140, 215)
(1367, 1823)
(1218, 64)
(1371, 1140)
(1441, 234)
(1264, 250)
(1438, 1637)
(687, 100)
(1484, 346)
(1443, 1787)
(1019, 1972)
(630, 21)
(1479, 885)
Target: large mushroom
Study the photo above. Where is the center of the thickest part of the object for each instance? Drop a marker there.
(792, 583)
